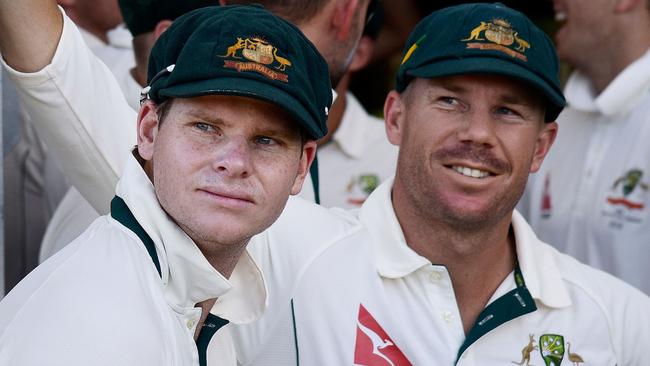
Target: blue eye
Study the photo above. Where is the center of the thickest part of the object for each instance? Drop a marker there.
(504, 110)
(263, 140)
(203, 126)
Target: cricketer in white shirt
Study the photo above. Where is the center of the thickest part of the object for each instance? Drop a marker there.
(591, 197)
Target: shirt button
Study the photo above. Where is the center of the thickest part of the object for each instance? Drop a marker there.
(448, 316)
(190, 324)
(435, 277)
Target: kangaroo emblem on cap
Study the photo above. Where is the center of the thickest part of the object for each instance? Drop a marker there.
(261, 53)
(500, 36)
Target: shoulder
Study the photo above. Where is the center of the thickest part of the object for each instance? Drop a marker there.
(604, 298)
(91, 291)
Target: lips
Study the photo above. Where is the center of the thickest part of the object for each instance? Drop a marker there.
(228, 196)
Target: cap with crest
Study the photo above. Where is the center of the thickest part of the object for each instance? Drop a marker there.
(483, 39)
(244, 51)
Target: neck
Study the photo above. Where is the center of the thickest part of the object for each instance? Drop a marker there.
(628, 47)
(478, 260)
(223, 258)
(139, 74)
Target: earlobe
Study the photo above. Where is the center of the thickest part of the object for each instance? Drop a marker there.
(394, 117)
(307, 158)
(543, 145)
(147, 129)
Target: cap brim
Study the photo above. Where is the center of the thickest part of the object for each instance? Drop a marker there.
(494, 66)
(246, 87)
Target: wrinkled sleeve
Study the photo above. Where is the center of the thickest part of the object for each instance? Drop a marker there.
(78, 109)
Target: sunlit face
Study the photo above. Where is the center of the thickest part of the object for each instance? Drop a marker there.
(585, 25)
(467, 144)
(223, 166)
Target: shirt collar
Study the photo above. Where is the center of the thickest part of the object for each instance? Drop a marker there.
(393, 256)
(621, 95)
(538, 266)
(187, 276)
(396, 259)
(351, 136)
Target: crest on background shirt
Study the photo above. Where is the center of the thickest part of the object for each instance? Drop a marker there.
(625, 186)
(373, 346)
(360, 187)
(499, 36)
(263, 58)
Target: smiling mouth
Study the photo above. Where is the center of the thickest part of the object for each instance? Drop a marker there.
(470, 172)
(560, 16)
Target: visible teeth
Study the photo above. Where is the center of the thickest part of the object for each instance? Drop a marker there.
(560, 16)
(474, 173)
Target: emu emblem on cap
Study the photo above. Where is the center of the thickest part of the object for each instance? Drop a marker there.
(500, 35)
(261, 53)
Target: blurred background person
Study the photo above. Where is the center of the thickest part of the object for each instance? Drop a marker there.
(592, 196)
(33, 183)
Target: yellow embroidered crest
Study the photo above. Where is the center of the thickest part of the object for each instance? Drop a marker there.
(260, 53)
(500, 36)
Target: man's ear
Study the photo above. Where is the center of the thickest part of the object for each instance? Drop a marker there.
(307, 158)
(394, 115)
(543, 145)
(147, 129)
(344, 18)
(363, 54)
(160, 28)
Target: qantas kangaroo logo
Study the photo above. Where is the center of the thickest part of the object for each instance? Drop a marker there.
(373, 346)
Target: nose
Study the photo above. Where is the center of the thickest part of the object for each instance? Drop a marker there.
(477, 128)
(233, 158)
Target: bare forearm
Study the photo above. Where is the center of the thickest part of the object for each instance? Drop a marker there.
(30, 32)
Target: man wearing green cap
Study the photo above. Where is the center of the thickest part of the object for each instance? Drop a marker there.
(447, 272)
(146, 21)
(225, 134)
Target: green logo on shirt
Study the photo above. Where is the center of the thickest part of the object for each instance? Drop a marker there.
(552, 348)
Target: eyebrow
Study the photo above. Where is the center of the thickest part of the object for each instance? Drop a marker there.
(527, 98)
(270, 129)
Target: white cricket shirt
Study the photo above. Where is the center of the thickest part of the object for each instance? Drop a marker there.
(591, 197)
(103, 301)
(368, 299)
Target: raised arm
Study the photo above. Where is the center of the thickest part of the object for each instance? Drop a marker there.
(30, 33)
(75, 103)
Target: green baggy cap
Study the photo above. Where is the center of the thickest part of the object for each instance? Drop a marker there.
(483, 39)
(244, 51)
(141, 16)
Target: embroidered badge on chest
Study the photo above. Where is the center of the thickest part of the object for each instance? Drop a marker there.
(626, 201)
(552, 350)
(373, 345)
